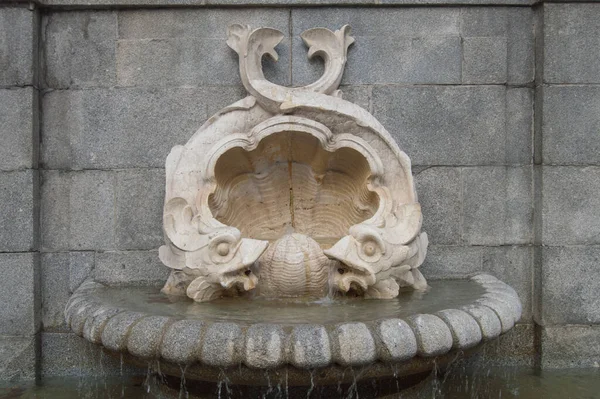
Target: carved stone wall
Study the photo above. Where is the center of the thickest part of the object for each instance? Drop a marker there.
(496, 106)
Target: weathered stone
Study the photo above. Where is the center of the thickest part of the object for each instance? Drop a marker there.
(186, 62)
(69, 355)
(17, 358)
(486, 318)
(512, 265)
(570, 346)
(520, 45)
(117, 329)
(19, 314)
(309, 347)
(139, 202)
(426, 40)
(465, 330)
(359, 95)
(80, 268)
(18, 47)
(18, 125)
(18, 210)
(515, 348)
(519, 126)
(446, 125)
(55, 289)
(263, 3)
(94, 325)
(181, 342)
(188, 47)
(433, 335)
(79, 48)
(439, 191)
(398, 342)
(484, 60)
(505, 313)
(497, 205)
(146, 336)
(222, 345)
(429, 59)
(483, 21)
(103, 128)
(452, 261)
(571, 43)
(502, 27)
(265, 346)
(570, 285)
(78, 210)
(570, 204)
(353, 345)
(571, 124)
(130, 267)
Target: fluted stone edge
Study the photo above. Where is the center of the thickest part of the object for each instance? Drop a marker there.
(306, 346)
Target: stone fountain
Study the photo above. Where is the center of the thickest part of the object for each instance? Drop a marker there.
(293, 234)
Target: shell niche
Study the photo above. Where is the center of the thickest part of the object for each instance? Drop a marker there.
(292, 190)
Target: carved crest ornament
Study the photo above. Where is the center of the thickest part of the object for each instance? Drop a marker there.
(292, 191)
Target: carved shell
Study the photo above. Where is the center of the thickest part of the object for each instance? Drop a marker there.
(294, 266)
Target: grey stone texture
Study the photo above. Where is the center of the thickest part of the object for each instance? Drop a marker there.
(488, 205)
(124, 127)
(570, 285)
(353, 344)
(265, 346)
(310, 347)
(222, 345)
(392, 45)
(20, 310)
(571, 43)
(67, 355)
(455, 125)
(18, 46)
(498, 45)
(146, 336)
(19, 211)
(276, 3)
(570, 204)
(570, 346)
(181, 342)
(497, 205)
(433, 335)
(424, 45)
(61, 274)
(78, 210)
(79, 49)
(484, 60)
(139, 203)
(398, 341)
(18, 128)
(183, 47)
(102, 210)
(131, 267)
(440, 191)
(17, 358)
(515, 348)
(571, 126)
(511, 264)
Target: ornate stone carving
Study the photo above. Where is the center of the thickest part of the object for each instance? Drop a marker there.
(299, 171)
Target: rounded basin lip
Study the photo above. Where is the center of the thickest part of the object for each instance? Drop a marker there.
(305, 346)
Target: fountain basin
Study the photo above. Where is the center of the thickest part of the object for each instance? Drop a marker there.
(258, 341)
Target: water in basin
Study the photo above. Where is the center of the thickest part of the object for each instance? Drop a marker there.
(442, 295)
